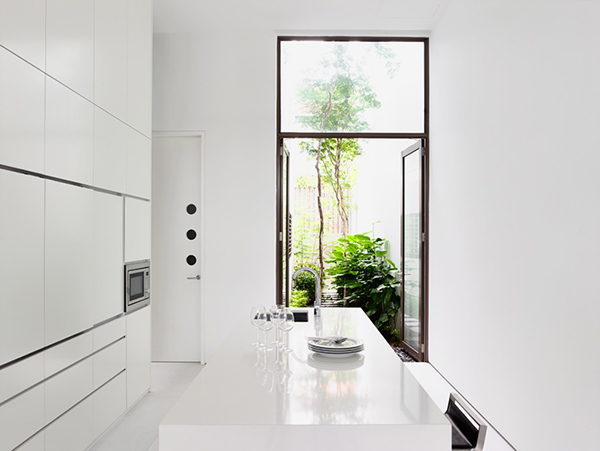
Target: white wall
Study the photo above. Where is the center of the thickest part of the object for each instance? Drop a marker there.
(224, 84)
(515, 108)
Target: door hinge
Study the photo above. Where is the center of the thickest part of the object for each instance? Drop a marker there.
(422, 348)
(281, 150)
(423, 237)
(280, 236)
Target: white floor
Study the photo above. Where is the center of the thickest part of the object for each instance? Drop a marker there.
(138, 429)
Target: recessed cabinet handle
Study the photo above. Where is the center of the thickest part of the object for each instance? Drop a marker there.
(195, 277)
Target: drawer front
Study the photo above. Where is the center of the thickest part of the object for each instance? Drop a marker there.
(74, 430)
(20, 376)
(21, 417)
(35, 443)
(109, 333)
(66, 354)
(109, 362)
(109, 403)
(68, 388)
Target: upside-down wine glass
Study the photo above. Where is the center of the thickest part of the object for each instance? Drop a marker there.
(266, 325)
(257, 319)
(287, 324)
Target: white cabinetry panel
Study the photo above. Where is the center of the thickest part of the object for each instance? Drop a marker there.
(21, 265)
(69, 250)
(137, 229)
(109, 362)
(23, 29)
(69, 134)
(110, 63)
(21, 114)
(138, 354)
(20, 376)
(35, 443)
(139, 164)
(21, 417)
(67, 353)
(109, 403)
(139, 72)
(70, 44)
(68, 388)
(108, 333)
(108, 256)
(110, 152)
(74, 431)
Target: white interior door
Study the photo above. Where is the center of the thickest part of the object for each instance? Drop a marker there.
(176, 248)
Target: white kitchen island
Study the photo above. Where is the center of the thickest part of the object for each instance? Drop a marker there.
(249, 400)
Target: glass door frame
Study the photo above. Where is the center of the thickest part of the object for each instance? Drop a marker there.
(420, 354)
(282, 226)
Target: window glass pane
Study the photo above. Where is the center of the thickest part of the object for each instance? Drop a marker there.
(412, 249)
(352, 86)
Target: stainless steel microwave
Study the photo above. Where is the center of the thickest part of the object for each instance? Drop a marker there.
(137, 285)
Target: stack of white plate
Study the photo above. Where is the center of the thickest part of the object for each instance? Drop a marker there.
(330, 348)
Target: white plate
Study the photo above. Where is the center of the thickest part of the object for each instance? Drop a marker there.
(326, 344)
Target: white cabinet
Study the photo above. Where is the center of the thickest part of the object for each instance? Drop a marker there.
(19, 376)
(69, 134)
(109, 362)
(110, 56)
(109, 403)
(110, 152)
(21, 417)
(67, 388)
(21, 114)
(74, 431)
(69, 260)
(138, 354)
(21, 265)
(70, 44)
(139, 164)
(139, 69)
(57, 358)
(137, 229)
(23, 29)
(108, 257)
(35, 443)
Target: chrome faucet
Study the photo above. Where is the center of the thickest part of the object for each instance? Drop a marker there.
(317, 287)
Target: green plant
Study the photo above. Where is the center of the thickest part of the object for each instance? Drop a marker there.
(299, 298)
(305, 281)
(364, 278)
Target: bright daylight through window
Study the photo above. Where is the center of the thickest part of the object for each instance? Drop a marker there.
(349, 111)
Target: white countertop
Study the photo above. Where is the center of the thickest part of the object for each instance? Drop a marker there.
(246, 399)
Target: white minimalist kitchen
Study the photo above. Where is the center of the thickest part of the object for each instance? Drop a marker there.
(365, 225)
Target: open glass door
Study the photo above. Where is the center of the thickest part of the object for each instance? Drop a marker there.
(283, 225)
(413, 259)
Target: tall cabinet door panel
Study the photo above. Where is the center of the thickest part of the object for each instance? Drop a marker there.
(110, 56)
(110, 152)
(139, 69)
(139, 164)
(137, 229)
(138, 354)
(70, 44)
(21, 114)
(21, 265)
(23, 29)
(69, 260)
(108, 256)
(69, 134)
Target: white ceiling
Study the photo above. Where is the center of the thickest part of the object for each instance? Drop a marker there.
(188, 16)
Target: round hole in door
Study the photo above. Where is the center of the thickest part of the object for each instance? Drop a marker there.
(191, 234)
(191, 260)
(191, 209)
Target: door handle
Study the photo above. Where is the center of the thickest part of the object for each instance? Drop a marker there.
(197, 277)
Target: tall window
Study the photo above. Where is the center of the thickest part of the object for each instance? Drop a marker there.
(347, 110)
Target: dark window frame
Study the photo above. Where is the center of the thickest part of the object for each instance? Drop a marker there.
(281, 239)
